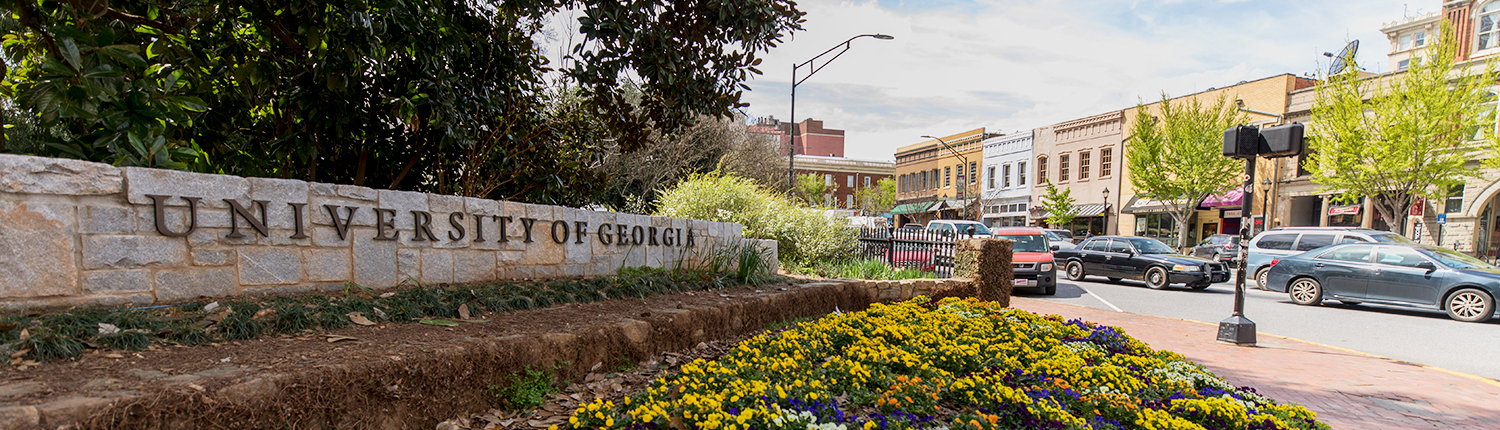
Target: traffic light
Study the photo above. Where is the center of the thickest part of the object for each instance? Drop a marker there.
(1245, 141)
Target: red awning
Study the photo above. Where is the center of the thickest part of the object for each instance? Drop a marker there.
(1234, 197)
(1344, 210)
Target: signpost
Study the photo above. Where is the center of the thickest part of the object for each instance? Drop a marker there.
(1248, 143)
(1441, 220)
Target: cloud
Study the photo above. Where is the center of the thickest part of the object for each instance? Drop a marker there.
(1016, 65)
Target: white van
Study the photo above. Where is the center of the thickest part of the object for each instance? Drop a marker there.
(959, 227)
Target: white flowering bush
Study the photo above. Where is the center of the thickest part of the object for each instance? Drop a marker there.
(803, 235)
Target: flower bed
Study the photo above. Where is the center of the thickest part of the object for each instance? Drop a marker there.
(954, 364)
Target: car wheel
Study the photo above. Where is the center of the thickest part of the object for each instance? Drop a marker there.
(1470, 305)
(1306, 291)
(1114, 279)
(1075, 271)
(1156, 278)
(1260, 279)
(1198, 286)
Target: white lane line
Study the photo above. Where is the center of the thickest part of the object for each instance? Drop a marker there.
(1101, 299)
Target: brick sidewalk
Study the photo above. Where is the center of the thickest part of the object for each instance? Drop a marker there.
(1348, 390)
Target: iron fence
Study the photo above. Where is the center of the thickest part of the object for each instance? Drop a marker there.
(929, 251)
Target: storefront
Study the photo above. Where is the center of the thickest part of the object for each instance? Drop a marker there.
(1007, 212)
(1088, 219)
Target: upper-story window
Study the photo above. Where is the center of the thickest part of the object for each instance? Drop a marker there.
(1106, 161)
(1083, 165)
(991, 172)
(1062, 168)
(973, 172)
(1419, 40)
(947, 176)
(1489, 26)
(1006, 181)
(1404, 44)
(1021, 173)
(1041, 169)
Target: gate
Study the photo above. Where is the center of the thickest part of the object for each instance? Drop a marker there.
(928, 251)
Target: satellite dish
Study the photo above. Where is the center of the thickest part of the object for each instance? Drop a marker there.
(1344, 60)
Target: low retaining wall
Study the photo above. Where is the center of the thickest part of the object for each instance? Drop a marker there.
(448, 378)
(76, 232)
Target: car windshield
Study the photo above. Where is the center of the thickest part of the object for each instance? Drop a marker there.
(1392, 238)
(1455, 259)
(964, 228)
(1150, 246)
(1052, 236)
(1027, 242)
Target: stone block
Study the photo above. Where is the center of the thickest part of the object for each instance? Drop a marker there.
(473, 266)
(374, 260)
(213, 189)
(108, 219)
(481, 206)
(541, 212)
(317, 208)
(408, 264)
(357, 192)
(212, 257)
(444, 204)
(327, 264)
(36, 249)
(22, 174)
(326, 236)
(186, 284)
(70, 410)
(270, 266)
(116, 281)
(579, 253)
(447, 228)
(437, 266)
(278, 191)
(128, 252)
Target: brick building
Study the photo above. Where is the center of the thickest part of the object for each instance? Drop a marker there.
(846, 176)
(812, 137)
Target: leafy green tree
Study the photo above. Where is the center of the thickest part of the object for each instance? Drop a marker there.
(1411, 134)
(1179, 159)
(429, 95)
(811, 188)
(877, 199)
(1059, 205)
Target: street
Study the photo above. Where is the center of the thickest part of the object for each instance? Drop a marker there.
(1419, 336)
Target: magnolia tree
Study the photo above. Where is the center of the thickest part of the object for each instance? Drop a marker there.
(1179, 158)
(1407, 135)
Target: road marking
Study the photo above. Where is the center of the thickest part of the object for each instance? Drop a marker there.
(1101, 299)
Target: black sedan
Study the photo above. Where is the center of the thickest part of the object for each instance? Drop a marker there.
(1404, 275)
(1147, 259)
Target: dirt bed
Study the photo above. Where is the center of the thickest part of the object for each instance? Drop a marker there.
(404, 375)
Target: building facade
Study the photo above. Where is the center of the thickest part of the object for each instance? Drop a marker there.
(939, 178)
(1005, 178)
(845, 176)
(1084, 156)
(1264, 103)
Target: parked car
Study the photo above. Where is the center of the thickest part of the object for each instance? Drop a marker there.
(1031, 258)
(1142, 258)
(1064, 234)
(1219, 247)
(1057, 241)
(1392, 274)
(958, 227)
(1283, 242)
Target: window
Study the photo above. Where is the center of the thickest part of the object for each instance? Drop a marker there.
(973, 172)
(1062, 168)
(947, 177)
(1021, 173)
(1119, 246)
(849, 181)
(1041, 170)
(1399, 256)
(1489, 26)
(1006, 181)
(935, 183)
(1421, 39)
(1352, 239)
(1157, 226)
(827, 179)
(1083, 165)
(991, 173)
(1277, 241)
(1310, 242)
(1405, 43)
(1353, 254)
(867, 181)
(1403, 64)
(1455, 201)
(1097, 245)
(850, 203)
(961, 176)
(1106, 161)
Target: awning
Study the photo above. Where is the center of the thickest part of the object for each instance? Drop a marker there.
(1231, 198)
(1087, 210)
(1140, 205)
(910, 208)
(1344, 209)
(945, 205)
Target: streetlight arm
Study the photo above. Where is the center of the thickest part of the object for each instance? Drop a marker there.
(812, 62)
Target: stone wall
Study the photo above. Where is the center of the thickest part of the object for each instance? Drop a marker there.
(76, 232)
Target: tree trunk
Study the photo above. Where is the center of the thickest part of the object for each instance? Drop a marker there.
(1182, 216)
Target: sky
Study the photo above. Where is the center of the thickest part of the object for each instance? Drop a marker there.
(1011, 65)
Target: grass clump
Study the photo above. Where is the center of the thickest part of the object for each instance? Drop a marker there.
(867, 268)
(525, 390)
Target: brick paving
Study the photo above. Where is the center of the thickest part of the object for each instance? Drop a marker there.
(1348, 390)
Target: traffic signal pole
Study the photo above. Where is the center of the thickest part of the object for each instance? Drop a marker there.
(1237, 329)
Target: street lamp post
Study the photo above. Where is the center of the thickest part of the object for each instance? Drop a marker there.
(1265, 198)
(791, 151)
(964, 185)
(1104, 230)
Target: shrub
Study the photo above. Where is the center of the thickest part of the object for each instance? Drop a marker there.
(802, 234)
